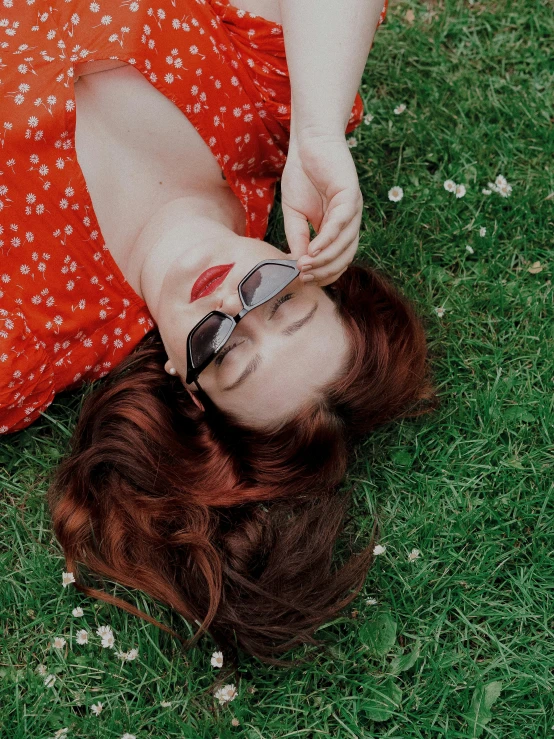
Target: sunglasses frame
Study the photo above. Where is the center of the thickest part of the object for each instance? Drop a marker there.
(193, 372)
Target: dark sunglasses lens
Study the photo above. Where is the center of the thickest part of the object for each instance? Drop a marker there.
(207, 339)
(268, 279)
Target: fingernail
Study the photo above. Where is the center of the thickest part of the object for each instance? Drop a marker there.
(306, 267)
(307, 277)
(315, 253)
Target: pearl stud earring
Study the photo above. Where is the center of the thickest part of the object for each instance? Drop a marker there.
(172, 371)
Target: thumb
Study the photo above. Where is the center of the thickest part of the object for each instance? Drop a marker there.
(297, 231)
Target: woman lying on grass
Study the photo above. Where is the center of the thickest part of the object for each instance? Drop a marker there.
(204, 471)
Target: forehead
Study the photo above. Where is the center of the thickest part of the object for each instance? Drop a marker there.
(292, 370)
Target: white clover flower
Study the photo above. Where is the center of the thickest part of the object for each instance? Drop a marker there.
(59, 642)
(96, 708)
(413, 555)
(77, 611)
(396, 193)
(469, 249)
(368, 118)
(400, 109)
(379, 549)
(225, 694)
(482, 231)
(82, 637)
(371, 601)
(67, 579)
(352, 142)
(440, 312)
(460, 191)
(217, 659)
(449, 186)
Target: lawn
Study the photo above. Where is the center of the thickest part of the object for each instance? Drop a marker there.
(457, 642)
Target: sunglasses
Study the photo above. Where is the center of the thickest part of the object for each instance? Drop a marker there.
(210, 334)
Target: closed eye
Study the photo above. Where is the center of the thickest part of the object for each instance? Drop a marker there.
(274, 308)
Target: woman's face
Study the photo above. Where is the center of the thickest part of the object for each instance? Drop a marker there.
(282, 351)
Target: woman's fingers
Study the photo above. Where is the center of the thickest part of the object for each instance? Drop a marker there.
(336, 219)
(330, 272)
(332, 253)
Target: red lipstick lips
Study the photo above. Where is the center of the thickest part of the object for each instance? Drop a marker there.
(209, 280)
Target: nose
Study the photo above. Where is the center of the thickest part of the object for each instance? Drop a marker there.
(229, 301)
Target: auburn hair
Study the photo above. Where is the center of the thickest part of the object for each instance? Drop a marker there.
(233, 528)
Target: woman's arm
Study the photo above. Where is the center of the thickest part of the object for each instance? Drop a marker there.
(327, 43)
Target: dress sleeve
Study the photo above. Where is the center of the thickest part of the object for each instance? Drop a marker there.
(26, 375)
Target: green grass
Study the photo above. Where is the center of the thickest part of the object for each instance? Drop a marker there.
(471, 486)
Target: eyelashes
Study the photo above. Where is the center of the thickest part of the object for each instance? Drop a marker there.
(220, 357)
(278, 302)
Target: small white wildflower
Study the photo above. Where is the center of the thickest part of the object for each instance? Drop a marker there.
(131, 655)
(371, 601)
(96, 708)
(77, 611)
(42, 670)
(450, 186)
(82, 637)
(486, 191)
(128, 736)
(482, 231)
(108, 641)
(504, 190)
(67, 579)
(379, 549)
(49, 681)
(352, 142)
(59, 642)
(413, 555)
(368, 118)
(165, 704)
(400, 109)
(60, 732)
(439, 312)
(460, 191)
(225, 694)
(396, 193)
(469, 249)
(217, 659)
(103, 631)
(500, 181)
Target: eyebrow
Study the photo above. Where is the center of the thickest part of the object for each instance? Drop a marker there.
(255, 362)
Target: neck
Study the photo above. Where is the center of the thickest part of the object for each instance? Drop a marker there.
(183, 226)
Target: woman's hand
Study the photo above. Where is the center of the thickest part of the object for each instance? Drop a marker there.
(320, 184)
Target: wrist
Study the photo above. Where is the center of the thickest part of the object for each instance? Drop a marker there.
(305, 127)
(309, 140)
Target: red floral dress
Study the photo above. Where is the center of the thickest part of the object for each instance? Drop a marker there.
(67, 314)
